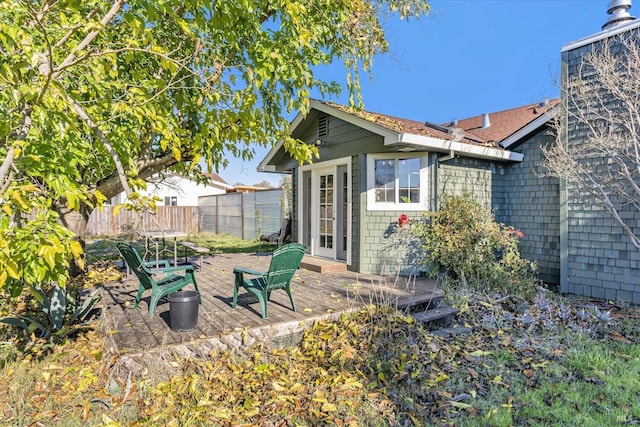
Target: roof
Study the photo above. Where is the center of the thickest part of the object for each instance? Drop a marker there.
(606, 33)
(502, 124)
(215, 177)
(465, 137)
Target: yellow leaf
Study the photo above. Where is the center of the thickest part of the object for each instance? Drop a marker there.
(296, 387)
(277, 387)
(485, 304)
(108, 422)
(12, 269)
(223, 415)
(307, 310)
(76, 248)
(177, 154)
(460, 405)
(329, 407)
(49, 254)
(442, 377)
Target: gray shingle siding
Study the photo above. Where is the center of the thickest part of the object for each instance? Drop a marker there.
(518, 197)
(381, 250)
(600, 261)
(465, 175)
(532, 205)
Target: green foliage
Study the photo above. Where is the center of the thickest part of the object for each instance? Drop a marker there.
(96, 96)
(463, 239)
(59, 316)
(34, 250)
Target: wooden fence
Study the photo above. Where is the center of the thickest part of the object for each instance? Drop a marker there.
(178, 218)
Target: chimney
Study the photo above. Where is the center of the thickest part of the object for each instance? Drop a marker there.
(619, 11)
(485, 121)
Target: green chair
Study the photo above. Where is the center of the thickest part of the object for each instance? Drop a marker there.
(284, 263)
(159, 288)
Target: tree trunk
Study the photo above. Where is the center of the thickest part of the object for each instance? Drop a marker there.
(76, 222)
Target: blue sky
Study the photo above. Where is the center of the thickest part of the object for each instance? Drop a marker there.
(466, 58)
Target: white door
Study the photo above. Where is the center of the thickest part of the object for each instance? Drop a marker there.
(325, 227)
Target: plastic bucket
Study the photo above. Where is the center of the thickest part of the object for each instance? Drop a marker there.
(183, 310)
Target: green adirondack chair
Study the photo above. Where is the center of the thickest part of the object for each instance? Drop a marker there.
(284, 263)
(171, 282)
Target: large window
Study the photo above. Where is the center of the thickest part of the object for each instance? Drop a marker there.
(397, 182)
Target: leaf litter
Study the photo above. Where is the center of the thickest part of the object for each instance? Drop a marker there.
(375, 366)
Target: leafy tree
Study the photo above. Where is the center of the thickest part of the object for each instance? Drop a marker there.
(264, 184)
(600, 104)
(96, 96)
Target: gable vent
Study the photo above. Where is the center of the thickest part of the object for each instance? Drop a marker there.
(323, 128)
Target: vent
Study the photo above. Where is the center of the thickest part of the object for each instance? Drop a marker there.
(323, 128)
(485, 121)
(619, 11)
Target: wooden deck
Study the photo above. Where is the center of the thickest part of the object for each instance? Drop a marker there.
(317, 296)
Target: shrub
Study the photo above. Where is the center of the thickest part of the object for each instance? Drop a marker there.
(463, 241)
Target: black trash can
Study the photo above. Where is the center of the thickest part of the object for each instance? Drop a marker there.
(183, 310)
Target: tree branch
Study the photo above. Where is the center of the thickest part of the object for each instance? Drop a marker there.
(112, 152)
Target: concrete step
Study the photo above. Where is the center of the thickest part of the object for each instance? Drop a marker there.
(322, 265)
(436, 317)
(452, 331)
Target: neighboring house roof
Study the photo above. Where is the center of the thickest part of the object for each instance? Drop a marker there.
(217, 180)
(247, 189)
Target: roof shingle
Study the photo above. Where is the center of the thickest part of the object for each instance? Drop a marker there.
(502, 124)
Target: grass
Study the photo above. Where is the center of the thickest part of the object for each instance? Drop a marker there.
(549, 361)
(101, 249)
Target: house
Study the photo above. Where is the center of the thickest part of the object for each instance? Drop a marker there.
(373, 167)
(597, 258)
(176, 190)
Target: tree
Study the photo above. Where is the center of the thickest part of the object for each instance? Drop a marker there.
(96, 96)
(601, 104)
(264, 184)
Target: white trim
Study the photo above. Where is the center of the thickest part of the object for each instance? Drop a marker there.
(329, 253)
(601, 35)
(424, 183)
(531, 127)
(477, 151)
(263, 165)
(313, 168)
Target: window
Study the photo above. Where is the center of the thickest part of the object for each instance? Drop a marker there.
(171, 200)
(397, 182)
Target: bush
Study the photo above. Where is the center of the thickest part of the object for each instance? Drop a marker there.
(463, 241)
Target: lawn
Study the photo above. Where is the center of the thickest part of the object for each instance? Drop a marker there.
(546, 361)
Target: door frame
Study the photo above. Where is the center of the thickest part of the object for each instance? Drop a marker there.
(315, 170)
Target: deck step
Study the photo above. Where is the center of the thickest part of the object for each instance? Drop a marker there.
(436, 317)
(421, 302)
(322, 265)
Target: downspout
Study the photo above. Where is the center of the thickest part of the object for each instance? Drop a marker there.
(450, 156)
